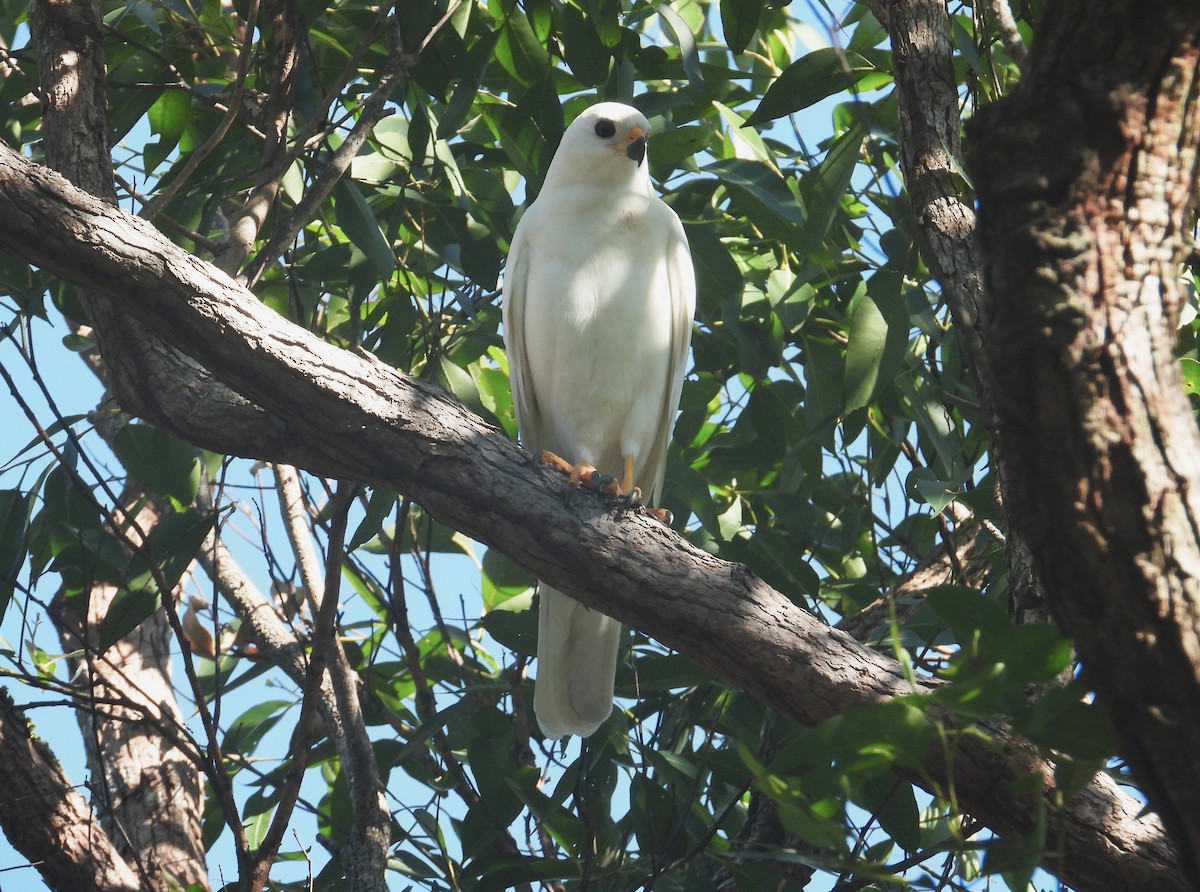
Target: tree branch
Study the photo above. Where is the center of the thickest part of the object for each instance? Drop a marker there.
(46, 819)
(931, 158)
(361, 420)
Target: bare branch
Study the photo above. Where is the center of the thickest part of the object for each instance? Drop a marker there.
(291, 504)
(1002, 15)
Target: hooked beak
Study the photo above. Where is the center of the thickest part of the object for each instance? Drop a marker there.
(637, 145)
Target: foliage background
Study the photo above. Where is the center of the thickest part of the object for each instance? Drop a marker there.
(829, 434)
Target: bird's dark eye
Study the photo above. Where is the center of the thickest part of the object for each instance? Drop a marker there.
(605, 129)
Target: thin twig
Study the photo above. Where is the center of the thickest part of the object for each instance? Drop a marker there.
(324, 640)
(373, 110)
(1002, 15)
(152, 210)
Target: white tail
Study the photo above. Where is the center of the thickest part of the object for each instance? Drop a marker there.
(577, 664)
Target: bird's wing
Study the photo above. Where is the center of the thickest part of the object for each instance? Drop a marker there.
(516, 280)
(681, 280)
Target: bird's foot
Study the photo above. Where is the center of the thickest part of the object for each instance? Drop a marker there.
(583, 472)
(630, 499)
(662, 515)
(588, 475)
(623, 490)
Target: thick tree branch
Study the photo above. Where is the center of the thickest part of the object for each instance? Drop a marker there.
(46, 819)
(359, 419)
(931, 158)
(1087, 176)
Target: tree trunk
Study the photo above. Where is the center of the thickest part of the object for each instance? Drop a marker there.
(149, 795)
(931, 159)
(1086, 178)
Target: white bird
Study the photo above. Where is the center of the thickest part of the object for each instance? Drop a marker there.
(599, 296)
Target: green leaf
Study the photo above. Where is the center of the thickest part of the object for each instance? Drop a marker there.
(825, 372)
(813, 820)
(718, 278)
(653, 814)
(1062, 721)
(67, 512)
(168, 118)
(160, 461)
(14, 524)
(172, 546)
(499, 873)
(459, 107)
(935, 493)
(434, 536)
(379, 506)
(358, 222)
(245, 732)
(744, 141)
(583, 50)
(128, 610)
(518, 50)
(502, 579)
(128, 104)
(58, 425)
(1036, 653)
(686, 41)
(670, 149)
(739, 21)
(490, 742)
(823, 190)
(894, 805)
(761, 193)
(808, 80)
(656, 672)
(1071, 775)
(256, 818)
(864, 352)
(458, 381)
(1016, 857)
(966, 612)
(1191, 374)
(513, 623)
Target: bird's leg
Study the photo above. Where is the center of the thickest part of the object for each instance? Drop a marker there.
(625, 489)
(583, 472)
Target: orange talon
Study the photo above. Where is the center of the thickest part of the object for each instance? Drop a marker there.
(581, 473)
(556, 461)
(625, 487)
(590, 476)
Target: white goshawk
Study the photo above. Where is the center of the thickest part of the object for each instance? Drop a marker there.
(599, 296)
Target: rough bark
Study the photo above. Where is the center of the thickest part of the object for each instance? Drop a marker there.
(1087, 176)
(931, 159)
(359, 419)
(47, 820)
(148, 793)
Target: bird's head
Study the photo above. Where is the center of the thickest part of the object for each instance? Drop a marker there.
(608, 137)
